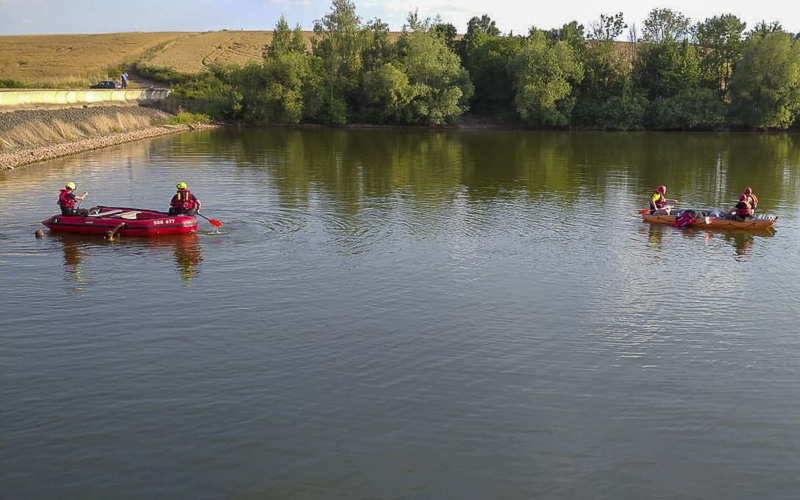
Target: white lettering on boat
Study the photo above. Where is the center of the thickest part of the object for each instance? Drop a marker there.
(164, 221)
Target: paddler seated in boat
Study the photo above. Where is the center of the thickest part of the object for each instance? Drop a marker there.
(742, 210)
(659, 202)
(751, 198)
(66, 200)
(184, 202)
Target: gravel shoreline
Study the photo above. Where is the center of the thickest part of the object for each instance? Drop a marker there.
(13, 158)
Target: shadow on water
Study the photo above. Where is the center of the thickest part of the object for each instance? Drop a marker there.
(186, 250)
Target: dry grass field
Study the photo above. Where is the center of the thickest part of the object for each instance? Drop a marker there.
(65, 61)
(76, 61)
(197, 51)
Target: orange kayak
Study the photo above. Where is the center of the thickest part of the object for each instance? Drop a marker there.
(757, 222)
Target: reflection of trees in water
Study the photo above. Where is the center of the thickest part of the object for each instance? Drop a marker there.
(349, 166)
(73, 261)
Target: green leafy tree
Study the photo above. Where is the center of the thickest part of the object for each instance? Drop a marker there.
(665, 24)
(479, 29)
(448, 33)
(572, 33)
(274, 92)
(545, 76)
(720, 40)
(605, 97)
(337, 42)
(765, 87)
(388, 95)
(667, 68)
(441, 87)
(606, 70)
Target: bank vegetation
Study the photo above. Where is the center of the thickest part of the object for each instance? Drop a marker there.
(673, 75)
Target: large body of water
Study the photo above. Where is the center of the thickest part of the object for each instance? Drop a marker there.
(406, 314)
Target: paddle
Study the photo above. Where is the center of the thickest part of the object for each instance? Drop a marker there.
(213, 222)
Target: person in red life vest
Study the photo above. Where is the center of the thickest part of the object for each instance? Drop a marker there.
(742, 210)
(659, 201)
(66, 200)
(184, 202)
(751, 198)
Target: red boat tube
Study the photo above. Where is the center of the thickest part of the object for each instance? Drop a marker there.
(135, 222)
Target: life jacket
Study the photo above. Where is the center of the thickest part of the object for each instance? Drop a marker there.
(743, 209)
(64, 201)
(686, 219)
(753, 201)
(183, 200)
(658, 199)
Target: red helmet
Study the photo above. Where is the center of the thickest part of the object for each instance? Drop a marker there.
(742, 197)
(662, 189)
(748, 191)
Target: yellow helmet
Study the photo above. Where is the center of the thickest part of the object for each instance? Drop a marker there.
(70, 185)
(181, 185)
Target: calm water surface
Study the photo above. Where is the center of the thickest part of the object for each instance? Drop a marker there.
(405, 314)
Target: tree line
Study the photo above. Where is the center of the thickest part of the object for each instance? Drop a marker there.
(710, 75)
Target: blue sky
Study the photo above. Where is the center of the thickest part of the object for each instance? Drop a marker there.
(93, 16)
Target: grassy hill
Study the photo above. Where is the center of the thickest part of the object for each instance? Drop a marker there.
(64, 61)
(69, 61)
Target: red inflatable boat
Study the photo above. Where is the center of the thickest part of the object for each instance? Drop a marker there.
(126, 222)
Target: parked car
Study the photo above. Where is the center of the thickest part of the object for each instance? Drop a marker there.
(106, 84)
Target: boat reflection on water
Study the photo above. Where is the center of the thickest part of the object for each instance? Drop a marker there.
(655, 234)
(186, 250)
(74, 256)
(188, 256)
(741, 240)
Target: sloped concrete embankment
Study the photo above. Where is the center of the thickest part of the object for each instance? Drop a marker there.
(30, 136)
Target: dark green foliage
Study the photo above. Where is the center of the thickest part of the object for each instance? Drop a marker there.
(490, 68)
(664, 69)
(6, 83)
(478, 30)
(571, 33)
(690, 109)
(162, 74)
(448, 33)
(612, 113)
